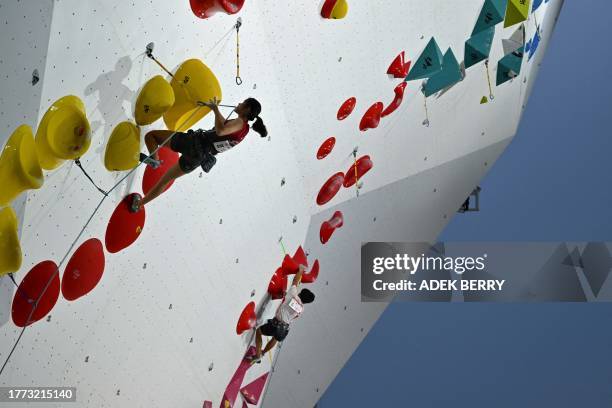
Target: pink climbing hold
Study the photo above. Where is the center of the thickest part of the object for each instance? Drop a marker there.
(278, 284)
(232, 389)
(326, 148)
(328, 227)
(252, 392)
(247, 319)
(207, 404)
(371, 119)
(347, 108)
(151, 176)
(399, 68)
(84, 270)
(364, 164)
(330, 188)
(312, 276)
(207, 8)
(397, 101)
(36, 295)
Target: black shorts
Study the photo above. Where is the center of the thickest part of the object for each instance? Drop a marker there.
(275, 328)
(195, 149)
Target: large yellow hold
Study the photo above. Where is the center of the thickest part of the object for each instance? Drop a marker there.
(123, 148)
(155, 98)
(10, 249)
(63, 133)
(193, 82)
(19, 166)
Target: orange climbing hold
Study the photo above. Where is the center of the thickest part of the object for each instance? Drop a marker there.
(326, 148)
(278, 284)
(36, 295)
(334, 9)
(347, 108)
(364, 164)
(397, 101)
(328, 227)
(151, 176)
(208, 8)
(19, 166)
(124, 226)
(312, 276)
(371, 119)
(247, 319)
(10, 249)
(399, 68)
(330, 188)
(84, 270)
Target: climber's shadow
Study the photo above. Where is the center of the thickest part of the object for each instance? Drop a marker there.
(6, 296)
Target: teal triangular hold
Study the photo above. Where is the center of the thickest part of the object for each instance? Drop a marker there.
(536, 5)
(478, 47)
(450, 75)
(510, 66)
(428, 64)
(493, 12)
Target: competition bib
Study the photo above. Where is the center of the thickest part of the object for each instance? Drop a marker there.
(222, 146)
(295, 305)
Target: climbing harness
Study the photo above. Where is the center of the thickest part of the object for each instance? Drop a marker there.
(238, 24)
(491, 96)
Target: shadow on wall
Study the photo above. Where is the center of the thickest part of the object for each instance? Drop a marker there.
(112, 94)
(6, 297)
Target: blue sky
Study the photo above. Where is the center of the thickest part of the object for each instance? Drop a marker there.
(551, 184)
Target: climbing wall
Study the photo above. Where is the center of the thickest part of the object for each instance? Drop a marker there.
(159, 329)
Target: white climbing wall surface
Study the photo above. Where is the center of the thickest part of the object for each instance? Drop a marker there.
(159, 330)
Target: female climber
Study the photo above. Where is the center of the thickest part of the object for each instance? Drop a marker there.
(198, 148)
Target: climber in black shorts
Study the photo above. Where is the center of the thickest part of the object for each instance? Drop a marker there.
(199, 147)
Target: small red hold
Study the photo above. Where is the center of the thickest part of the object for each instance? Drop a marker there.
(364, 164)
(252, 391)
(151, 176)
(371, 119)
(84, 270)
(207, 8)
(326, 148)
(37, 294)
(328, 227)
(247, 319)
(399, 68)
(312, 276)
(124, 226)
(207, 404)
(397, 101)
(330, 188)
(278, 284)
(347, 108)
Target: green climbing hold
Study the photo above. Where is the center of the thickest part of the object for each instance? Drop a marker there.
(428, 64)
(478, 47)
(509, 67)
(484, 100)
(491, 14)
(448, 76)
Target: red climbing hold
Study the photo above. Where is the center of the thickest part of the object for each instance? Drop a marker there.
(371, 119)
(247, 319)
(300, 257)
(124, 226)
(364, 164)
(328, 227)
(84, 270)
(326, 148)
(232, 389)
(399, 68)
(347, 108)
(252, 392)
(397, 101)
(36, 295)
(278, 284)
(207, 404)
(207, 8)
(169, 158)
(312, 276)
(290, 266)
(330, 188)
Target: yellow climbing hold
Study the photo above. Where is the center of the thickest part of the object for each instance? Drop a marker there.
(192, 82)
(19, 166)
(155, 98)
(517, 11)
(484, 100)
(123, 147)
(63, 133)
(10, 250)
(340, 9)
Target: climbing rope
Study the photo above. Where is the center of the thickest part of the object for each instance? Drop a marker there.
(73, 244)
(356, 174)
(280, 241)
(78, 163)
(489, 80)
(238, 24)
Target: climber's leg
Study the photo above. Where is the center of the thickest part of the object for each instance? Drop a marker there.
(269, 346)
(173, 173)
(156, 138)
